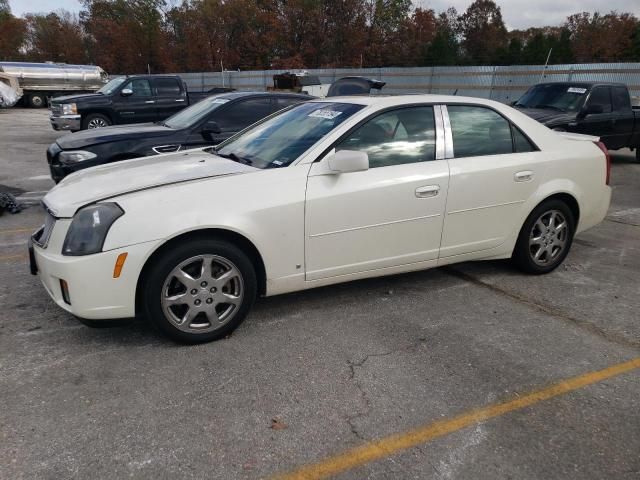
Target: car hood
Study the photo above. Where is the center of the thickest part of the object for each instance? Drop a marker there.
(77, 98)
(549, 117)
(111, 180)
(95, 136)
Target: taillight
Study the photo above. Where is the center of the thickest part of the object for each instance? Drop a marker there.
(602, 147)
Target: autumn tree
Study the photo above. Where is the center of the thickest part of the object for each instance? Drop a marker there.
(444, 49)
(12, 33)
(56, 37)
(597, 37)
(483, 31)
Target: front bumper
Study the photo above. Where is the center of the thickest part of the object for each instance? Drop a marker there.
(93, 292)
(66, 122)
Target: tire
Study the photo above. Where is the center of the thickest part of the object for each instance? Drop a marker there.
(175, 290)
(95, 120)
(37, 100)
(542, 244)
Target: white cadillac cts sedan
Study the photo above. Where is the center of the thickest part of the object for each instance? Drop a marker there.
(327, 191)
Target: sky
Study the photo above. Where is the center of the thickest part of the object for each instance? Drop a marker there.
(516, 13)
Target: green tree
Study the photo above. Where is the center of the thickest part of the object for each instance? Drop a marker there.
(12, 33)
(484, 32)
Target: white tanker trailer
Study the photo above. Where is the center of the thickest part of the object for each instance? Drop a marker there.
(40, 81)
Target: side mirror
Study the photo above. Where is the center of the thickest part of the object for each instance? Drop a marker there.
(126, 92)
(591, 109)
(210, 128)
(345, 161)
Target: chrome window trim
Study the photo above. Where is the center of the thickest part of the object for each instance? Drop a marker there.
(448, 135)
(440, 132)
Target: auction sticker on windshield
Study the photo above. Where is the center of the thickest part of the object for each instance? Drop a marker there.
(576, 90)
(326, 114)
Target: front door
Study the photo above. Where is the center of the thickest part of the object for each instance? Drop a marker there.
(389, 215)
(493, 172)
(599, 124)
(139, 107)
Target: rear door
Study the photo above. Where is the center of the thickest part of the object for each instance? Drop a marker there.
(599, 124)
(170, 96)
(623, 118)
(493, 171)
(139, 107)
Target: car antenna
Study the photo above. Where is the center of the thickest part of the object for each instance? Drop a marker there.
(455, 93)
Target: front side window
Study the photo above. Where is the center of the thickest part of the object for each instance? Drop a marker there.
(242, 114)
(140, 87)
(396, 137)
(600, 96)
(281, 139)
(479, 131)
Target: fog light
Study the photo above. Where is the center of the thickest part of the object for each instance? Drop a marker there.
(65, 292)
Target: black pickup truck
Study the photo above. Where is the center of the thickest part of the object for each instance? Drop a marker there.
(601, 109)
(123, 100)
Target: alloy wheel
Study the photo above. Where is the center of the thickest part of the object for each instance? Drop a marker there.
(202, 293)
(97, 123)
(548, 238)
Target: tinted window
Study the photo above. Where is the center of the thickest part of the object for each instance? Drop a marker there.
(479, 131)
(244, 113)
(521, 142)
(620, 97)
(396, 137)
(140, 87)
(601, 96)
(167, 87)
(284, 102)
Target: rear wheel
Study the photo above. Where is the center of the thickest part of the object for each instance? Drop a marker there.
(95, 120)
(199, 291)
(545, 238)
(37, 100)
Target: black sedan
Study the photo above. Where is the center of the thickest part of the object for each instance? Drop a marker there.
(205, 123)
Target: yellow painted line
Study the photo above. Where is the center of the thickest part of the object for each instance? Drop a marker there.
(20, 230)
(13, 257)
(390, 445)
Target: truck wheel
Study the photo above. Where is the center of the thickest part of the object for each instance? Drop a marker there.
(95, 120)
(545, 238)
(37, 100)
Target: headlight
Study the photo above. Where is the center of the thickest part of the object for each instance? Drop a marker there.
(89, 229)
(75, 156)
(69, 109)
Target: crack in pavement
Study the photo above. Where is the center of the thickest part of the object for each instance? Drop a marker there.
(578, 322)
(363, 394)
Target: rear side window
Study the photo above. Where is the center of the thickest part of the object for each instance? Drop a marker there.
(243, 113)
(479, 131)
(520, 142)
(621, 100)
(168, 87)
(601, 96)
(396, 137)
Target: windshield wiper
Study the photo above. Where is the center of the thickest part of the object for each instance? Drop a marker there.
(552, 107)
(235, 158)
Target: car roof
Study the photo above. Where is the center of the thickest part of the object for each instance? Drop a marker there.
(235, 95)
(394, 100)
(584, 84)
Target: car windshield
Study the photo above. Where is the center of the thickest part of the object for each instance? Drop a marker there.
(561, 97)
(196, 112)
(280, 140)
(111, 86)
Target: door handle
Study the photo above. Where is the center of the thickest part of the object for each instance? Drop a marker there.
(427, 191)
(524, 176)
(150, 101)
(180, 100)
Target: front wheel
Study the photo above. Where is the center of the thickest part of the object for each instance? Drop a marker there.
(200, 291)
(95, 120)
(545, 238)
(37, 100)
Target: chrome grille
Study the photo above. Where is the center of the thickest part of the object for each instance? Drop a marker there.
(56, 109)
